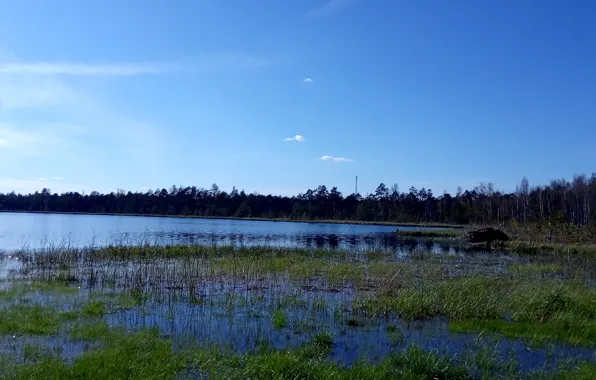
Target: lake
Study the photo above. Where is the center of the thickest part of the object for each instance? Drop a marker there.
(21, 230)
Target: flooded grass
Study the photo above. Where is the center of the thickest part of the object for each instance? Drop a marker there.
(225, 312)
(279, 319)
(145, 355)
(34, 319)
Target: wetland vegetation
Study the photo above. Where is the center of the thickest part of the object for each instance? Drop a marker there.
(266, 312)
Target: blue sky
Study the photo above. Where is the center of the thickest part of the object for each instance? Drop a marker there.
(100, 95)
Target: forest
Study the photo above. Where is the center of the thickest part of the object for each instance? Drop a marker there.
(560, 201)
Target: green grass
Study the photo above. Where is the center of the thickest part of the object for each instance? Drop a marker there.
(94, 309)
(386, 270)
(310, 362)
(544, 249)
(547, 310)
(536, 334)
(586, 371)
(57, 287)
(146, 355)
(32, 319)
(297, 266)
(394, 334)
(537, 267)
(472, 297)
(138, 356)
(19, 289)
(279, 319)
(291, 301)
(542, 310)
(303, 326)
(120, 300)
(38, 319)
(94, 330)
(11, 293)
(339, 273)
(33, 353)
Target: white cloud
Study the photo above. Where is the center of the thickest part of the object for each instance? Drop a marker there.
(3, 143)
(297, 138)
(336, 159)
(331, 6)
(308, 80)
(42, 179)
(65, 68)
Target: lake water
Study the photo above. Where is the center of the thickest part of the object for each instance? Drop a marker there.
(20, 230)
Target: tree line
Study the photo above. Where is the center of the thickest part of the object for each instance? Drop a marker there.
(561, 201)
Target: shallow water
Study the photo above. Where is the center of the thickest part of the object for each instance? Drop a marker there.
(240, 318)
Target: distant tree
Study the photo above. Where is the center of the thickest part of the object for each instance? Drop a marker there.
(185, 211)
(558, 202)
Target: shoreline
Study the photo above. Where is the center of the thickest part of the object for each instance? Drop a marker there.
(321, 221)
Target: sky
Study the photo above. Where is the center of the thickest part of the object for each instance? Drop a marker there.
(282, 96)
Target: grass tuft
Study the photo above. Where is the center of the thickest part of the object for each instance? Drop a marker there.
(279, 319)
(32, 320)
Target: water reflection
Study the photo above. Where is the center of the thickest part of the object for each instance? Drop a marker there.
(387, 242)
(31, 231)
(35, 230)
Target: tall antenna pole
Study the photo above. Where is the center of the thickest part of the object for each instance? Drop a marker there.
(356, 190)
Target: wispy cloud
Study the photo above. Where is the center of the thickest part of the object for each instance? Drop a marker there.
(32, 91)
(330, 7)
(308, 80)
(89, 121)
(23, 140)
(336, 159)
(49, 113)
(227, 60)
(66, 68)
(297, 138)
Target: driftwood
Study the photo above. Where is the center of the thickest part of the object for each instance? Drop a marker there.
(487, 235)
